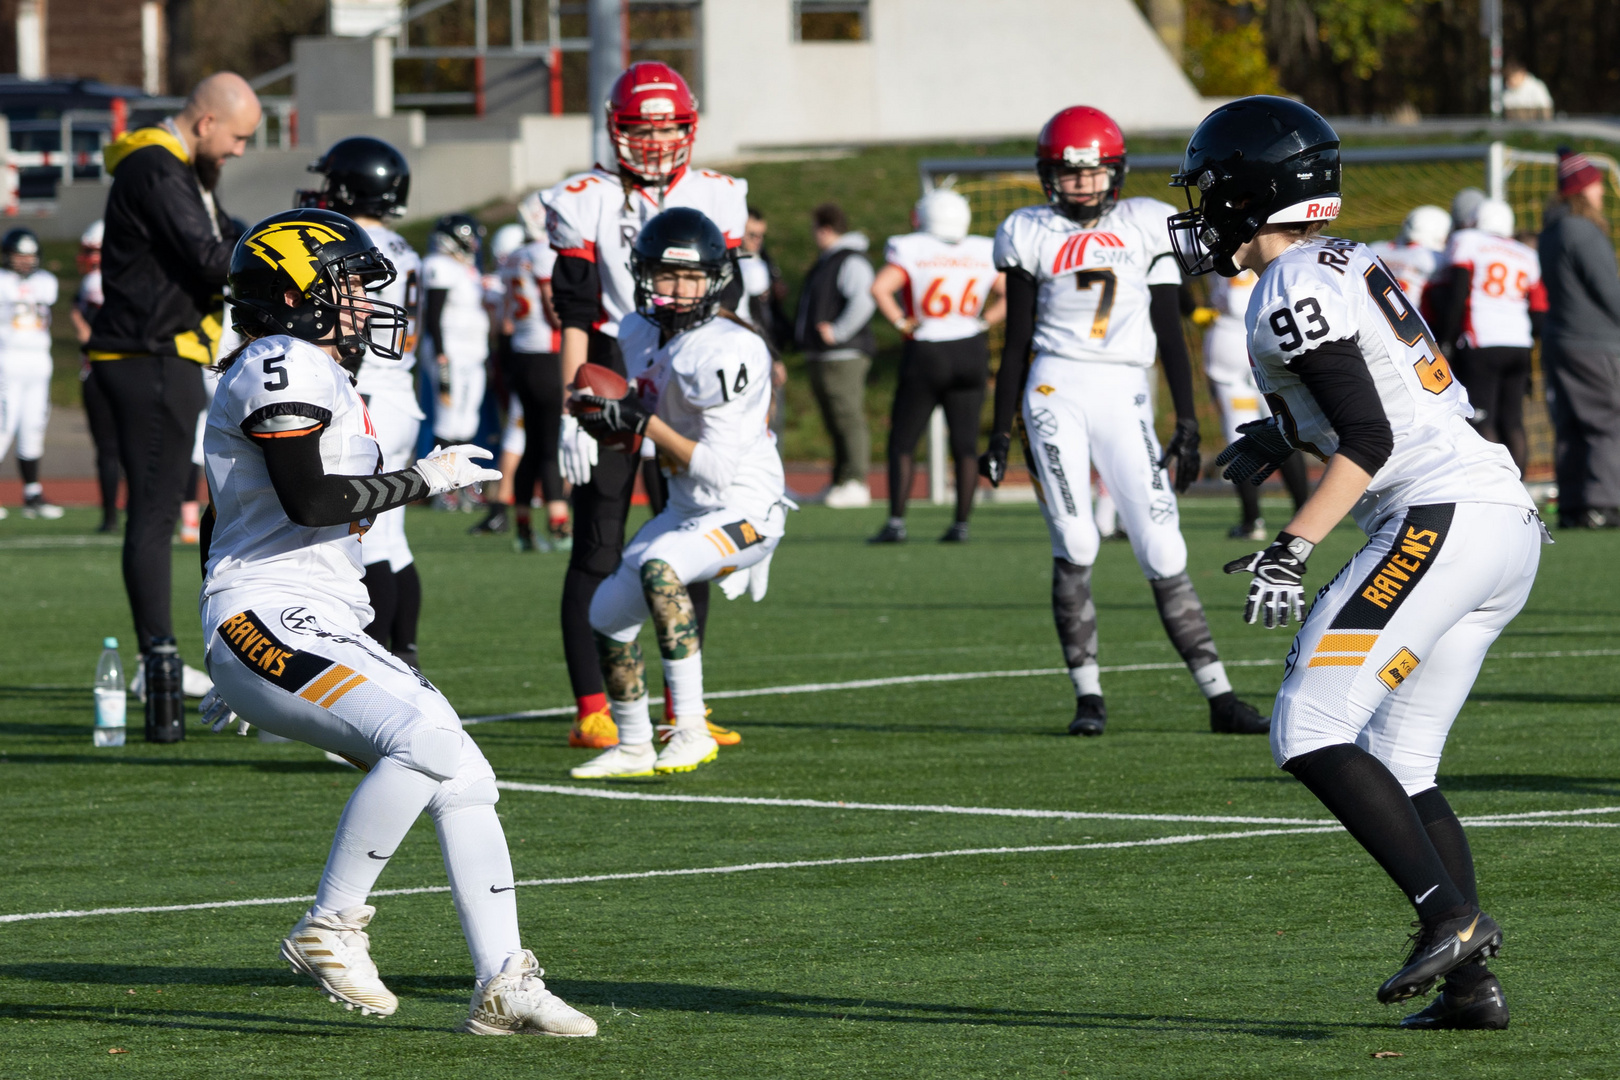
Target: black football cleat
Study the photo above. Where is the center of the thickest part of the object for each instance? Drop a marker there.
(1481, 1008)
(1231, 715)
(956, 534)
(1090, 715)
(495, 521)
(893, 532)
(1440, 948)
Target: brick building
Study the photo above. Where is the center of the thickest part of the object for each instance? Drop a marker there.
(122, 42)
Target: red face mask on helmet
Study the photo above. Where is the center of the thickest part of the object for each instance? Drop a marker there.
(1080, 137)
(651, 95)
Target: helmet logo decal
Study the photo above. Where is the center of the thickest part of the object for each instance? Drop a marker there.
(657, 106)
(681, 254)
(1073, 251)
(1085, 157)
(289, 248)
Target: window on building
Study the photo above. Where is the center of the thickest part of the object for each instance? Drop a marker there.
(832, 20)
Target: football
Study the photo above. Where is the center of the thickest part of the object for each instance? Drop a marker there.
(603, 382)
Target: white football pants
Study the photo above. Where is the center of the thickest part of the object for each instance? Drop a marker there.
(1078, 415)
(514, 439)
(25, 403)
(460, 401)
(391, 403)
(313, 675)
(1392, 645)
(1231, 380)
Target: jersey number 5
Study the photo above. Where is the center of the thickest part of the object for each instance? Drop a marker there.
(272, 366)
(1432, 370)
(1087, 279)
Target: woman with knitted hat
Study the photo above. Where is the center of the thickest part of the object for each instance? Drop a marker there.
(1581, 346)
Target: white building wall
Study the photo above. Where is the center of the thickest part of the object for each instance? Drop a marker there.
(942, 69)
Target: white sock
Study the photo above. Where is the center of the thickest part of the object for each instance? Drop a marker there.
(481, 884)
(30, 490)
(685, 681)
(635, 725)
(381, 811)
(1086, 679)
(1211, 679)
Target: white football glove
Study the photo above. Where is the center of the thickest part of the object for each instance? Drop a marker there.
(452, 467)
(576, 452)
(213, 711)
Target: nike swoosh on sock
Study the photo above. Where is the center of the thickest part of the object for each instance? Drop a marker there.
(379, 858)
(1425, 896)
(508, 888)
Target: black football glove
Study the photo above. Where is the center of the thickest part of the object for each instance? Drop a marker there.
(993, 462)
(1278, 572)
(614, 416)
(1257, 454)
(1183, 451)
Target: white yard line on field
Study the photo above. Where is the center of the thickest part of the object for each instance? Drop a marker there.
(972, 676)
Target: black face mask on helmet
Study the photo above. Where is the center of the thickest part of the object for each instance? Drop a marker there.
(680, 239)
(317, 256)
(1255, 161)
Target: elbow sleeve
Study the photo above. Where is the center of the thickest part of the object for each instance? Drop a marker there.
(1022, 293)
(313, 499)
(1164, 311)
(1337, 377)
(576, 291)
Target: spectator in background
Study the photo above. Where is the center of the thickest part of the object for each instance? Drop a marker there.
(1581, 346)
(165, 256)
(763, 293)
(834, 330)
(103, 432)
(1524, 97)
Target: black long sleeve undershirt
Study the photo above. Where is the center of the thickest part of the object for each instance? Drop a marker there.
(1456, 294)
(576, 292)
(1336, 375)
(434, 318)
(1164, 311)
(1022, 292)
(315, 499)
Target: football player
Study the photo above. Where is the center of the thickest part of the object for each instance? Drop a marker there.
(534, 371)
(1495, 300)
(295, 471)
(369, 181)
(456, 320)
(27, 291)
(592, 220)
(1091, 289)
(701, 394)
(1394, 641)
(950, 295)
(1414, 254)
(1231, 383)
(103, 431)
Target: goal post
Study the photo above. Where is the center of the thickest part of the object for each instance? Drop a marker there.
(1381, 186)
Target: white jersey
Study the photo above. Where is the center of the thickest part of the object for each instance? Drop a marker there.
(711, 384)
(1505, 279)
(522, 275)
(1093, 298)
(257, 553)
(946, 284)
(25, 311)
(1411, 265)
(1226, 345)
(1325, 290)
(591, 216)
(90, 296)
(465, 320)
(406, 291)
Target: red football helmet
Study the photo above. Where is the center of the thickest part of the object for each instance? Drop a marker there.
(651, 94)
(1080, 137)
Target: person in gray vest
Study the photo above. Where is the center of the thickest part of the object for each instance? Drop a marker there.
(834, 328)
(1581, 346)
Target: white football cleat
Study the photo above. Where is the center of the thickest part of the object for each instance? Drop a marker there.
(620, 761)
(335, 951)
(516, 1002)
(686, 750)
(850, 495)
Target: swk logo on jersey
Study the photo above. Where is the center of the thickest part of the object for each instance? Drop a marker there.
(1073, 252)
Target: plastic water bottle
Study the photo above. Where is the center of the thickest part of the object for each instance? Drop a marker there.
(165, 708)
(110, 699)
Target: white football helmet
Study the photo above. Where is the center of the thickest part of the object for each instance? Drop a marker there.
(944, 214)
(1465, 207)
(532, 212)
(1426, 226)
(1495, 217)
(92, 236)
(507, 239)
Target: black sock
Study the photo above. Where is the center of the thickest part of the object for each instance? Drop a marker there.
(384, 595)
(1248, 498)
(1296, 480)
(901, 467)
(1367, 799)
(1074, 613)
(579, 643)
(408, 609)
(967, 482)
(699, 592)
(1447, 835)
(28, 468)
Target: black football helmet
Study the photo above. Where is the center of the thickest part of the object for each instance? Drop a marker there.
(680, 239)
(1253, 161)
(458, 234)
(315, 257)
(19, 250)
(363, 176)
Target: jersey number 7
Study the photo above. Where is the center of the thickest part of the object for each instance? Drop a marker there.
(1087, 279)
(1432, 370)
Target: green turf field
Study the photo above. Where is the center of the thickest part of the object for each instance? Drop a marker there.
(1248, 956)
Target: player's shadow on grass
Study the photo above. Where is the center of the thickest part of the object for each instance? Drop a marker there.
(219, 1020)
(683, 997)
(1543, 697)
(1568, 785)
